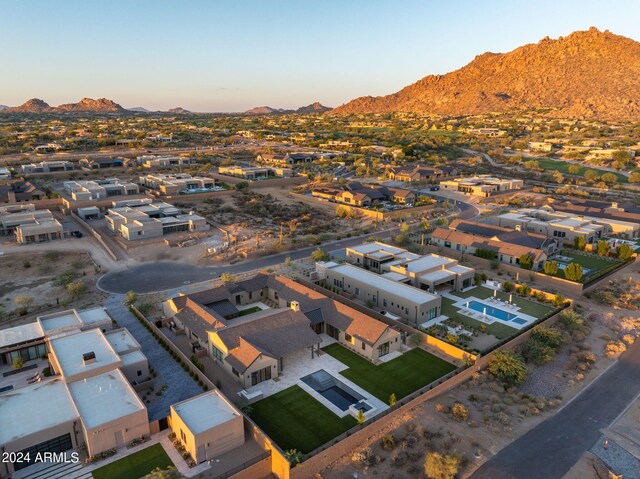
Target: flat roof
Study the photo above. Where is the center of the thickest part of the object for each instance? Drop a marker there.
(94, 315)
(133, 357)
(20, 334)
(368, 248)
(60, 321)
(34, 408)
(437, 275)
(205, 411)
(428, 262)
(104, 398)
(69, 350)
(393, 276)
(122, 340)
(401, 290)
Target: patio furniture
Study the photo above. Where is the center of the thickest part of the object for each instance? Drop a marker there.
(34, 377)
(35, 380)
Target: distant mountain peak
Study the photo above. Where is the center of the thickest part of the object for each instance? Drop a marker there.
(315, 107)
(179, 110)
(587, 74)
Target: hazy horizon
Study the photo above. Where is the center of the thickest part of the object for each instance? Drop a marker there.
(284, 54)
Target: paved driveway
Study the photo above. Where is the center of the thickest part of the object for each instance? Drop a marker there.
(549, 450)
(180, 385)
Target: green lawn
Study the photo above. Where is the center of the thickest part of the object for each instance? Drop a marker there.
(497, 328)
(596, 264)
(531, 308)
(295, 420)
(401, 376)
(563, 167)
(135, 465)
(255, 309)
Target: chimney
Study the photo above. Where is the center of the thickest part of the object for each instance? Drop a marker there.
(89, 358)
(295, 306)
(518, 227)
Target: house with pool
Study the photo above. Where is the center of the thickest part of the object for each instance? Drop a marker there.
(261, 328)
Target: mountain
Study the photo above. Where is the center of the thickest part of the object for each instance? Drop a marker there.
(179, 110)
(35, 105)
(588, 74)
(267, 110)
(315, 107)
(101, 105)
(139, 109)
(3, 107)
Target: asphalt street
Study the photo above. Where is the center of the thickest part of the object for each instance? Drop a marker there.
(549, 450)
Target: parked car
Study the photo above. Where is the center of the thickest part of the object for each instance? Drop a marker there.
(76, 234)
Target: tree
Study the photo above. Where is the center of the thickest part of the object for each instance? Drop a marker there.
(570, 319)
(590, 175)
(573, 272)
(18, 362)
(609, 178)
(360, 417)
(602, 247)
(169, 473)
(526, 262)
(130, 298)
(227, 277)
(320, 255)
(392, 400)
(508, 367)
(624, 251)
(441, 466)
(242, 186)
(343, 211)
(558, 177)
(574, 169)
(623, 156)
(77, 288)
(550, 268)
(542, 345)
(24, 302)
(634, 177)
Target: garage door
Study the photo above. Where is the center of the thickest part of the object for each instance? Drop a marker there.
(58, 444)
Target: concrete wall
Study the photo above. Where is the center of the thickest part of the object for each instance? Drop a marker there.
(103, 437)
(95, 234)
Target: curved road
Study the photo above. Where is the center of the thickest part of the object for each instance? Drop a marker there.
(549, 450)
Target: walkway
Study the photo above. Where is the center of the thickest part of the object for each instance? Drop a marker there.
(553, 447)
(179, 385)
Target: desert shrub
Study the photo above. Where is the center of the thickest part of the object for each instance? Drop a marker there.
(614, 348)
(604, 297)
(388, 442)
(441, 466)
(570, 319)
(459, 412)
(508, 367)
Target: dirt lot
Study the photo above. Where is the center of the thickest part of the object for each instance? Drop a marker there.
(497, 416)
(270, 221)
(35, 283)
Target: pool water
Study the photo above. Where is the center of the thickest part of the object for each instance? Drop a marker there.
(332, 389)
(493, 312)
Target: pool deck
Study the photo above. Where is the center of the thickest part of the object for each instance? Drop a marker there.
(301, 364)
(491, 302)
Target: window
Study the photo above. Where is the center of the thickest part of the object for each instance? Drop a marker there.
(384, 302)
(261, 375)
(139, 373)
(383, 349)
(183, 436)
(357, 291)
(349, 338)
(447, 244)
(217, 353)
(364, 346)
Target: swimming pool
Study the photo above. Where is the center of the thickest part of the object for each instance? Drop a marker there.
(332, 389)
(493, 312)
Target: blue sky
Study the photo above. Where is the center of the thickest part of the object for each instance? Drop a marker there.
(233, 55)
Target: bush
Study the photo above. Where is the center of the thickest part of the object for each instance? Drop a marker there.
(130, 298)
(459, 412)
(77, 288)
(573, 271)
(18, 363)
(569, 319)
(543, 344)
(604, 297)
(508, 367)
(388, 442)
(614, 348)
(526, 261)
(550, 268)
(624, 251)
(441, 466)
(507, 286)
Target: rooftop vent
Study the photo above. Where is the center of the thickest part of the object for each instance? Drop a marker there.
(295, 306)
(89, 358)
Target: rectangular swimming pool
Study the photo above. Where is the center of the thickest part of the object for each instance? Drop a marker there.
(332, 389)
(492, 311)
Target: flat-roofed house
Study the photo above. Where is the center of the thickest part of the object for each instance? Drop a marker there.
(208, 425)
(482, 185)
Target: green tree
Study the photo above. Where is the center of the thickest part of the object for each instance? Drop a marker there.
(18, 362)
(580, 243)
(569, 319)
(526, 262)
(242, 186)
(602, 248)
(623, 156)
(573, 272)
(609, 178)
(558, 177)
(551, 268)
(77, 288)
(360, 417)
(227, 277)
(574, 169)
(441, 466)
(624, 251)
(343, 211)
(634, 177)
(508, 367)
(392, 400)
(130, 298)
(590, 175)
(319, 255)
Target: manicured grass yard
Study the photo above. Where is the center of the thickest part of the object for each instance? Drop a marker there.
(135, 465)
(497, 328)
(597, 265)
(401, 376)
(295, 420)
(531, 308)
(563, 167)
(255, 309)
